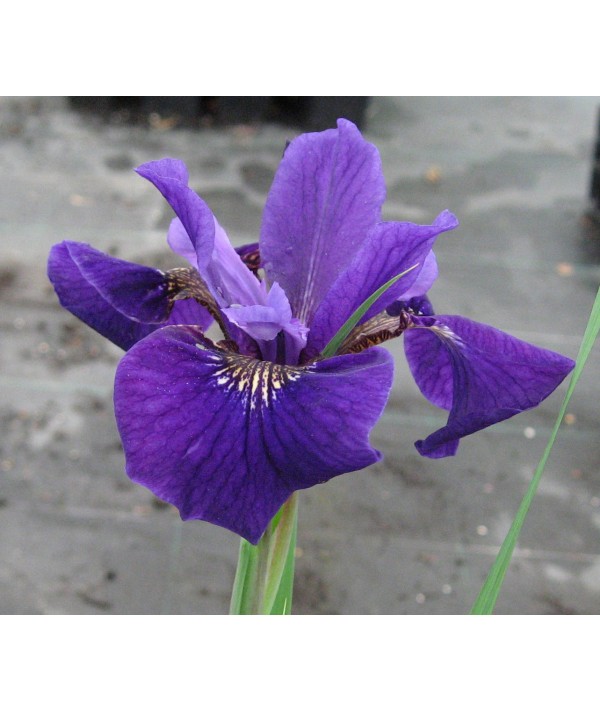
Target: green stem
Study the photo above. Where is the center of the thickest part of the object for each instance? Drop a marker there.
(265, 573)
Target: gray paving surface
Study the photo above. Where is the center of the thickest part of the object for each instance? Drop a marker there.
(408, 536)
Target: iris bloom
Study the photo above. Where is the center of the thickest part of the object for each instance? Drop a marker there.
(227, 430)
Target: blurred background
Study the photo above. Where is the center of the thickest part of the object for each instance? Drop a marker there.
(407, 536)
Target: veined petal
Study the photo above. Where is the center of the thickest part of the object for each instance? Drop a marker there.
(227, 439)
(326, 195)
(123, 301)
(389, 249)
(482, 375)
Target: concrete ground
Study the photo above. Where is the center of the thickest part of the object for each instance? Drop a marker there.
(409, 535)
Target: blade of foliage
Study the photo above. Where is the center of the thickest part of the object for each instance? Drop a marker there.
(282, 605)
(333, 345)
(486, 600)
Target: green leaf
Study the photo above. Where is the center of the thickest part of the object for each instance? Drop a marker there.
(245, 574)
(282, 605)
(333, 345)
(486, 601)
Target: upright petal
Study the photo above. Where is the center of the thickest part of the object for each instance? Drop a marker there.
(179, 241)
(233, 282)
(227, 439)
(480, 374)
(170, 176)
(389, 249)
(198, 231)
(326, 195)
(123, 301)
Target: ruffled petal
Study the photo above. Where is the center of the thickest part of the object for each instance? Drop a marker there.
(227, 439)
(327, 194)
(482, 375)
(123, 301)
(390, 249)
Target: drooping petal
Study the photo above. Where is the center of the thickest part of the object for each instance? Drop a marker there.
(482, 375)
(390, 249)
(227, 439)
(221, 268)
(138, 292)
(123, 301)
(327, 194)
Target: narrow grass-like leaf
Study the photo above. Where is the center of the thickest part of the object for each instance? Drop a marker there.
(245, 575)
(278, 576)
(486, 601)
(333, 345)
(282, 604)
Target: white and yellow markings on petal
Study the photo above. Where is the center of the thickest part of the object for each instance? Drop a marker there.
(257, 382)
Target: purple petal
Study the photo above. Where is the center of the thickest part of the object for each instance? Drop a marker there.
(264, 322)
(390, 249)
(260, 322)
(480, 374)
(326, 195)
(170, 176)
(227, 439)
(124, 302)
(418, 305)
(200, 239)
(233, 282)
(179, 241)
(138, 292)
(425, 279)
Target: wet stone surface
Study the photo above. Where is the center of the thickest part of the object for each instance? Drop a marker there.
(407, 536)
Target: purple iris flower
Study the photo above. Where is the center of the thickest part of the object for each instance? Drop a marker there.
(227, 430)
